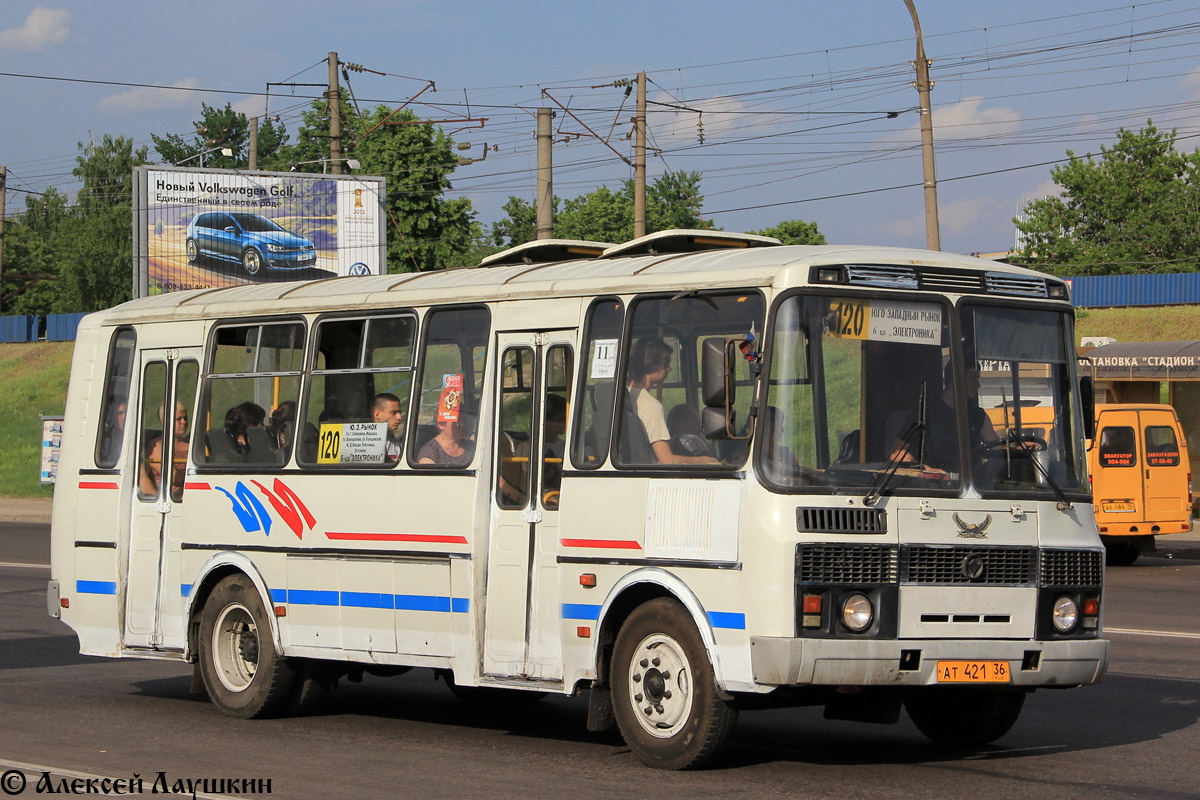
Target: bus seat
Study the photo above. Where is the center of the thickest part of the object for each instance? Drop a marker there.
(634, 445)
(848, 447)
(262, 449)
(221, 449)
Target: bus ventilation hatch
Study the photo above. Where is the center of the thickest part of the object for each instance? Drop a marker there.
(841, 520)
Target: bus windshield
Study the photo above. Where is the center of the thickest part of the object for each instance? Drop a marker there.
(866, 392)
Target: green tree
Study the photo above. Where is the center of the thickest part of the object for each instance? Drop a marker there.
(1135, 209)
(794, 231)
(672, 201)
(95, 240)
(219, 128)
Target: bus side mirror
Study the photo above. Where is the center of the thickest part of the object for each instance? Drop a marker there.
(715, 375)
(1087, 399)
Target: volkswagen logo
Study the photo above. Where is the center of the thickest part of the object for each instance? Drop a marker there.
(973, 567)
(359, 268)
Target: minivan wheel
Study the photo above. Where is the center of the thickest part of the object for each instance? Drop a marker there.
(193, 251)
(252, 261)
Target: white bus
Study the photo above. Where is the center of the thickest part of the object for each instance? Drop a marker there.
(695, 473)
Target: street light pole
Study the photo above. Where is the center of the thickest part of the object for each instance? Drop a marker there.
(933, 238)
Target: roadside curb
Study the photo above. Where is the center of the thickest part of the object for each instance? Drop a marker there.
(25, 509)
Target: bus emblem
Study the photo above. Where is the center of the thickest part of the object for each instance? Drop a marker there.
(968, 530)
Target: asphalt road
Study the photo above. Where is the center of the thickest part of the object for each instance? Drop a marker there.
(1136, 734)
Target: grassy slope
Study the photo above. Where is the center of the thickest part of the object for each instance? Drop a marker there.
(33, 381)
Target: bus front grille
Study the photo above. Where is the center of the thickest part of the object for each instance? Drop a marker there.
(979, 566)
(841, 520)
(845, 563)
(1072, 568)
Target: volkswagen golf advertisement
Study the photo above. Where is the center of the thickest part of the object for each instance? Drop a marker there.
(197, 228)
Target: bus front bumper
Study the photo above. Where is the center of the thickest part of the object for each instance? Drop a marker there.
(778, 661)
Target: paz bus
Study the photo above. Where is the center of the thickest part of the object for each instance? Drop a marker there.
(692, 474)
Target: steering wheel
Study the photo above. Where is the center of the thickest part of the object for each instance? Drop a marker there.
(1017, 443)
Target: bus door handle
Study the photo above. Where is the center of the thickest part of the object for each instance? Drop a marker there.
(532, 515)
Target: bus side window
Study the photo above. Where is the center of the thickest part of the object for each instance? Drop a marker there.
(453, 364)
(1117, 447)
(253, 378)
(1162, 450)
(111, 432)
(597, 383)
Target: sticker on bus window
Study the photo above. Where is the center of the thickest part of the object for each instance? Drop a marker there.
(885, 321)
(352, 443)
(451, 400)
(604, 359)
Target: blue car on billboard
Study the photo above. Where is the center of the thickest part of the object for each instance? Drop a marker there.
(252, 240)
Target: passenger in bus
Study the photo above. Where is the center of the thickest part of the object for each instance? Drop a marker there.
(239, 421)
(114, 429)
(941, 434)
(385, 407)
(449, 448)
(150, 478)
(649, 365)
(282, 424)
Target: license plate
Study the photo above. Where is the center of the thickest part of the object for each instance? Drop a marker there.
(1111, 507)
(973, 672)
(307, 259)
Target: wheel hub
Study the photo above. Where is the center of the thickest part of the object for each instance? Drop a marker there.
(660, 687)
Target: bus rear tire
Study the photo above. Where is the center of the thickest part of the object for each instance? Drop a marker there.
(243, 674)
(665, 695)
(964, 717)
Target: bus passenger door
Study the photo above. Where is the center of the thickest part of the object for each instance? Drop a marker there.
(521, 617)
(154, 608)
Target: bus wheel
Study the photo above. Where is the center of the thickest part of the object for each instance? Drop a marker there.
(665, 695)
(964, 717)
(243, 674)
(1120, 554)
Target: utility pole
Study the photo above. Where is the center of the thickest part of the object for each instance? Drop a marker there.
(545, 178)
(253, 144)
(933, 238)
(639, 160)
(335, 119)
(3, 191)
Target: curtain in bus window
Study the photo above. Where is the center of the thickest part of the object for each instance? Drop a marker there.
(253, 382)
(593, 425)
(660, 418)
(453, 366)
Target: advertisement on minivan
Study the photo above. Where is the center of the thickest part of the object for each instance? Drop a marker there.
(199, 229)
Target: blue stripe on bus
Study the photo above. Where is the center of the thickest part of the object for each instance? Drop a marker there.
(460, 605)
(279, 595)
(580, 611)
(185, 590)
(308, 597)
(96, 587)
(391, 602)
(422, 602)
(727, 619)
(367, 600)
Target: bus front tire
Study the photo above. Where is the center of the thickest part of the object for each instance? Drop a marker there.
(243, 674)
(665, 696)
(964, 717)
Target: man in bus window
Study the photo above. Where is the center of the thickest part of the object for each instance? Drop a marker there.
(386, 408)
(153, 466)
(941, 434)
(649, 365)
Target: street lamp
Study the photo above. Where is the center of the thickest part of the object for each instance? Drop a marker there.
(933, 238)
(225, 151)
(352, 163)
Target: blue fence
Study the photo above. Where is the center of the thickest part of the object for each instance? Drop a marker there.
(19, 329)
(62, 327)
(1136, 290)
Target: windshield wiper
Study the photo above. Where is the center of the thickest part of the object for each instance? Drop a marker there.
(915, 435)
(1012, 434)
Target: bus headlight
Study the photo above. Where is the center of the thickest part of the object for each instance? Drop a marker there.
(857, 613)
(1066, 614)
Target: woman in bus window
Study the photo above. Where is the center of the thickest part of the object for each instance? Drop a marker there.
(448, 448)
(152, 467)
(649, 365)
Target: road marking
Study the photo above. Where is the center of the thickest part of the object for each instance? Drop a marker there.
(36, 770)
(23, 566)
(1166, 634)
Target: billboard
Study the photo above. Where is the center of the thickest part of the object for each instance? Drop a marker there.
(203, 228)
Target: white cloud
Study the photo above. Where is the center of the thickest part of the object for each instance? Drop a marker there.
(145, 98)
(43, 27)
(966, 118)
(719, 115)
(1191, 84)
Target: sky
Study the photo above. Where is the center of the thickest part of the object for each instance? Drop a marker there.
(789, 110)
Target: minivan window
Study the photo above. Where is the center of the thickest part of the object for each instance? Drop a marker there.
(1117, 447)
(1162, 450)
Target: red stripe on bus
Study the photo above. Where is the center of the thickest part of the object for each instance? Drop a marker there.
(397, 537)
(606, 544)
(97, 485)
(199, 486)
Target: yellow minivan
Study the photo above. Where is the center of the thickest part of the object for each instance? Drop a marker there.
(1141, 478)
